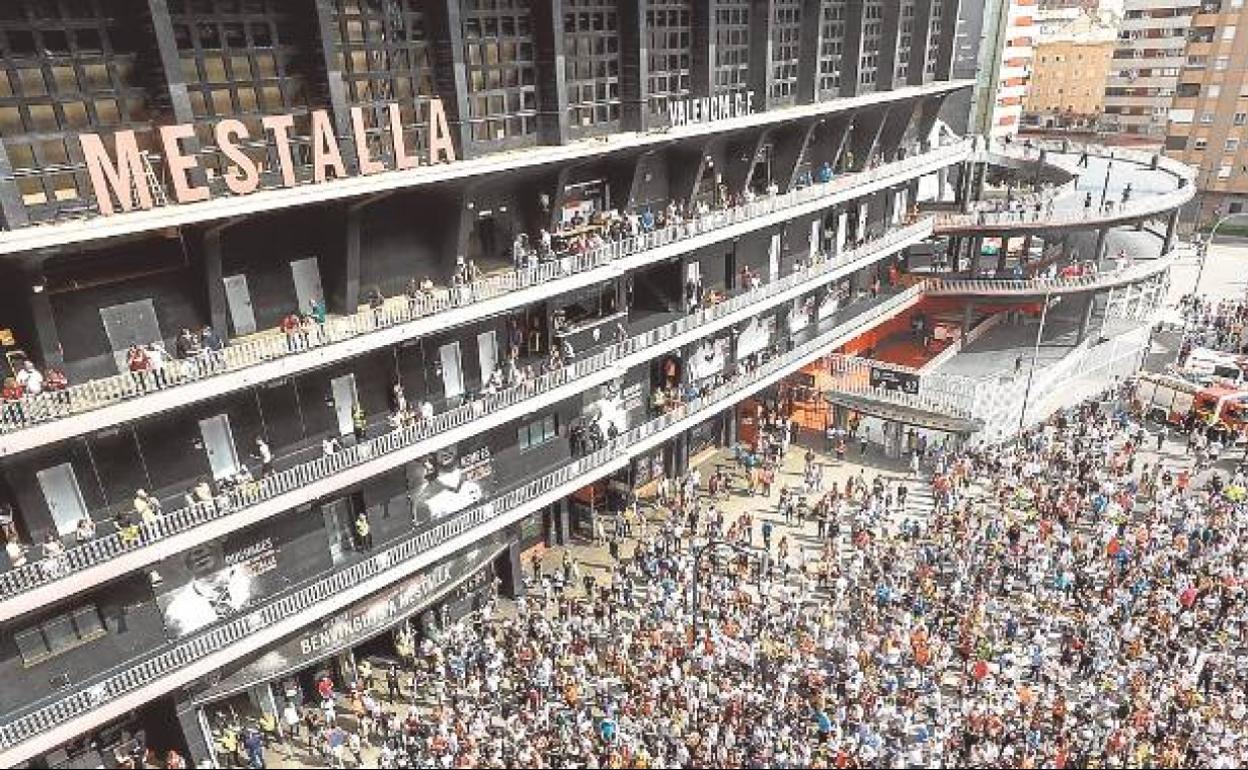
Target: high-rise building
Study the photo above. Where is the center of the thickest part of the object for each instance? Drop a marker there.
(1069, 70)
(318, 314)
(1145, 69)
(1209, 115)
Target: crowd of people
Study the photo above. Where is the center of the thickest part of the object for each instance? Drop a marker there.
(1074, 599)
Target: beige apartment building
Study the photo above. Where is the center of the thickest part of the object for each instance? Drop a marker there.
(1069, 70)
(1210, 110)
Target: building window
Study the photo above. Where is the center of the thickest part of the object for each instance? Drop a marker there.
(242, 60)
(831, 46)
(502, 76)
(1232, 145)
(872, 35)
(1206, 117)
(59, 634)
(670, 41)
(1221, 62)
(591, 49)
(65, 68)
(1224, 172)
(384, 54)
(1239, 118)
(1228, 33)
(933, 37)
(1215, 91)
(1200, 144)
(732, 45)
(901, 69)
(537, 433)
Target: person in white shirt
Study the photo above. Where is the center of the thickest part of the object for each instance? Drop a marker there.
(31, 379)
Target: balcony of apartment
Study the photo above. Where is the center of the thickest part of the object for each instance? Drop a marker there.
(1154, 22)
(53, 720)
(82, 408)
(1158, 5)
(38, 582)
(1140, 81)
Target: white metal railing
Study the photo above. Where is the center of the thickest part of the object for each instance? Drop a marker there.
(124, 679)
(942, 393)
(105, 391)
(1100, 280)
(106, 547)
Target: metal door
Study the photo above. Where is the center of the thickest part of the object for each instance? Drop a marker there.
(307, 275)
(487, 354)
(132, 323)
(452, 373)
(219, 445)
(238, 298)
(344, 402)
(63, 496)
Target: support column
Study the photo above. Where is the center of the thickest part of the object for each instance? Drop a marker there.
(1099, 251)
(730, 425)
(851, 54)
(968, 317)
(890, 32)
(351, 261)
(450, 74)
(175, 82)
(680, 453)
(761, 75)
(45, 322)
(977, 253)
(334, 81)
(563, 523)
(511, 572)
(920, 39)
(1085, 319)
(12, 209)
(950, 9)
(202, 753)
(552, 87)
(865, 136)
(1172, 225)
(634, 66)
(218, 309)
(810, 42)
(702, 54)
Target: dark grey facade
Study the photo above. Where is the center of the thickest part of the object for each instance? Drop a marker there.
(599, 77)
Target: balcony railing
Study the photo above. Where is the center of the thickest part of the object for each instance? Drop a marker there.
(1095, 281)
(177, 660)
(623, 354)
(941, 393)
(106, 391)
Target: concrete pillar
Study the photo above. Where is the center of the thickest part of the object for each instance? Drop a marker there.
(1172, 225)
(214, 277)
(808, 60)
(175, 82)
(511, 572)
(334, 81)
(552, 87)
(12, 209)
(702, 53)
(892, 439)
(761, 76)
(45, 322)
(1098, 252)
(890, 29)
(634, 66)
(730, 426)
(202, 753)
(851, 52)
(968, 317)
(977, 252)
(450, 74)
(920, 38)
(948, 39)
(563, 523)
(681, 453)
(1085, 320)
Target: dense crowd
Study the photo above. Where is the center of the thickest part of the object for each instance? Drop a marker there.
(1071, 601)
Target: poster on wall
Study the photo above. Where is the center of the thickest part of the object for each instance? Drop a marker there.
(709, 359)
(224, 577)
(891, 379)
(756, 336)
(454, 581)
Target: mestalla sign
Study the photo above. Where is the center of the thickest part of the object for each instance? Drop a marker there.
(120, 182)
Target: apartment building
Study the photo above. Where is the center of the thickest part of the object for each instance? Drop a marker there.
(1210, 110)
(1151, 52)
(319, 314)
(1069, 70)
(994, 47)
